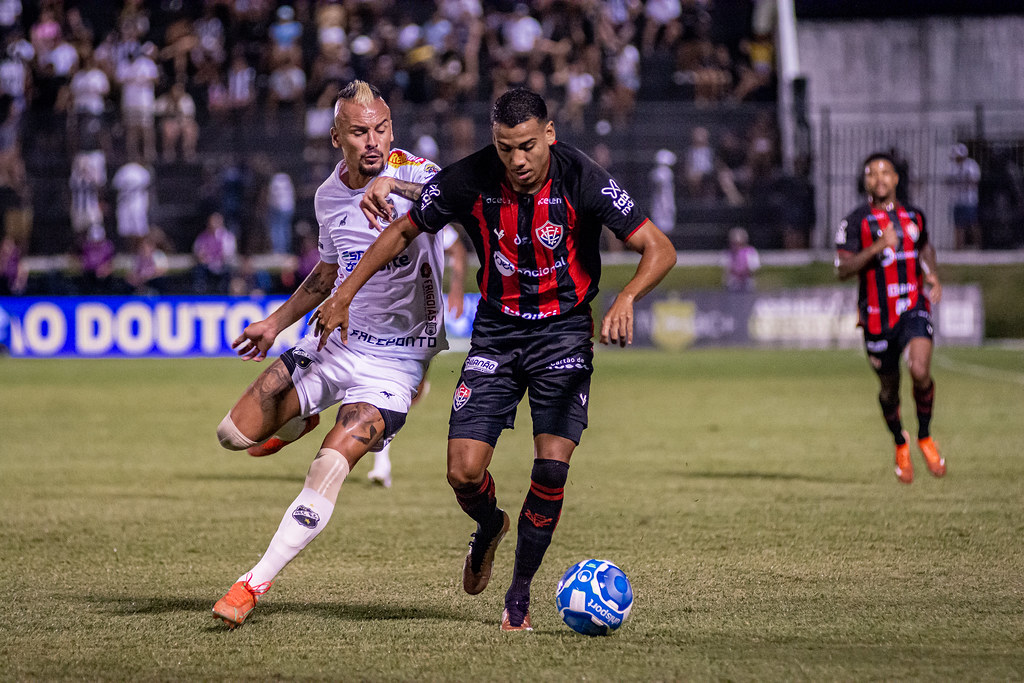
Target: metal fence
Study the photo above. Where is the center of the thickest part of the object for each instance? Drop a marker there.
(922, 139)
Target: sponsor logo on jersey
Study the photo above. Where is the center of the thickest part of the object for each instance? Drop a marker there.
(549, 234)
(462, 394)
(583, 400)
(548, 200)
(351, 258)
(899, 289)
(400, 158)
(497, 200)
(480, 364)
(620, 198)
(505, 266)
(427, 198)
(386, 394)
(570, 363)
(306, 517)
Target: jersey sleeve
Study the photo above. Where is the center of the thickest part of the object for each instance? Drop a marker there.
(439, 202)
(603, 197)
(847, 237)
(325, 245)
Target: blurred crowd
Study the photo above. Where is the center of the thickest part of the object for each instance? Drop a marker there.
(128, 97)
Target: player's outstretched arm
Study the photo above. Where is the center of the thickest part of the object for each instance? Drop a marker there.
(657, 257)
(333, 313)
(257, 338)
(849, 264)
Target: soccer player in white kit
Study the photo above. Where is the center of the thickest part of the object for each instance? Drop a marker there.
(397, 327)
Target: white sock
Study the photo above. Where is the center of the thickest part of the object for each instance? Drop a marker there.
(306, 517)
(292, 429)
(382, 459)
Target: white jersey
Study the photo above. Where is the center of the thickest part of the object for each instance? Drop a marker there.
(398, 313)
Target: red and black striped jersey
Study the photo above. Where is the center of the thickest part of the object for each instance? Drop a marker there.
(893, 282)
(539, 254)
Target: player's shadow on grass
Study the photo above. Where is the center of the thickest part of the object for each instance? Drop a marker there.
(343, 611)
(234, 477)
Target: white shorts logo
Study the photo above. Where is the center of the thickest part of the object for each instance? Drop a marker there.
(462, 395)
(480, 364)
(505, 266)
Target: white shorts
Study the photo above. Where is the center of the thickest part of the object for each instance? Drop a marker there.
(339, 374)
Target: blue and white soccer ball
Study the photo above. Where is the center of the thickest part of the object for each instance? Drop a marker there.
(594, 597)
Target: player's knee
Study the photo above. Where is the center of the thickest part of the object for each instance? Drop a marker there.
(230, 437)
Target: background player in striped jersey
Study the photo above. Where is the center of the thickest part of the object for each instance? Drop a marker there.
(886, 245)
(397, 328)
(534, 209)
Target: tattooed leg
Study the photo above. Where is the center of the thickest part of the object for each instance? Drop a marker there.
(359, 427)
(268, 403)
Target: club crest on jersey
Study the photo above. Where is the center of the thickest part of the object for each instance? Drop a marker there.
(549, 234)
(462, 394)
(426, 270)
(912, 231)
(504, 265)
(306, 517)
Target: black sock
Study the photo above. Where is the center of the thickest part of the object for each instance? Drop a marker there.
(891, 414)
(537, 521)
(478, 501)
(924, 399)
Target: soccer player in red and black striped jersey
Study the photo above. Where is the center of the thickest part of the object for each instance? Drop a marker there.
(534, 209)
(886, 245)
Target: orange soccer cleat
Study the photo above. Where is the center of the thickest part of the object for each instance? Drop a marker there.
(936, 463)
(904, 468)
(274, 444)
(506, 623)
(240, 600)
(476, 573)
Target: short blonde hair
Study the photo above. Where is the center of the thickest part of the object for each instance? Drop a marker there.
(359, 92)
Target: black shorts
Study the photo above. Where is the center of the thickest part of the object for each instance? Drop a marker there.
(553, 359)
(884, 349)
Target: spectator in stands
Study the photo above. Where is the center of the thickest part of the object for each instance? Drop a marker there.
(149, 268)
(285, 36)
(699, 165)
(215, 250)
(280, 212)
(88, 178)
(55, 62)
(89, 89)
(13, 272)
(15, 74)
(138, 77)
(739, 263)
(663, 190)
(133, 183)
(15, 190)
(96, 258)
(286, 92)
(177, 113)
(963, 177)
(662, 26)
(625, 68)
(579, 94)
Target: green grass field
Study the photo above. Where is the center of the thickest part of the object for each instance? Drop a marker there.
(748, 495)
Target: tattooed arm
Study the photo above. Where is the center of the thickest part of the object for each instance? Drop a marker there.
(375, 200)
(258, 337)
